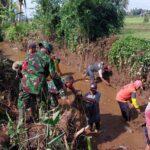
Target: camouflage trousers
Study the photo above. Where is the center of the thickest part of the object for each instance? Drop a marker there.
(30, 103)
(27, 102)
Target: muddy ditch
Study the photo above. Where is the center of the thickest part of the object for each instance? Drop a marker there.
(78, 61)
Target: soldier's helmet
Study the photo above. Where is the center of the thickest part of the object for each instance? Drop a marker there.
(48, 46)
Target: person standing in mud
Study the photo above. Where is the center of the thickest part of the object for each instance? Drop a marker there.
(147, 127)
(97, 67)
(92, 99)
(128, 93)
(33, 82)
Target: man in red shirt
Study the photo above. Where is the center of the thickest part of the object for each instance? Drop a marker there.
(128, 93)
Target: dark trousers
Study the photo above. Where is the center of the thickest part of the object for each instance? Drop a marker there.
(90, 73)
(146, 135)
(125, 110)
(97, 125)
(26, 101)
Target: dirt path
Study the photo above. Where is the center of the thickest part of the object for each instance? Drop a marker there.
(114, 136)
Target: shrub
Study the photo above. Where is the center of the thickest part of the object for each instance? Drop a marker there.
(146, 18)
(79, 21)
(131, 53)
(18, 31)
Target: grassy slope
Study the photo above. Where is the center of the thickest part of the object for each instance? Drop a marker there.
(134, 26)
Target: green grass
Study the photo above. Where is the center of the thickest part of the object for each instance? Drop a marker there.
(134, 26)
(134, 20)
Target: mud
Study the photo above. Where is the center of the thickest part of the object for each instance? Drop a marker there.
(113, 135)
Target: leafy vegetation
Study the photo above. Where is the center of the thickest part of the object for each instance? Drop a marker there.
(10, 26)
(16, 132)
(146, 18)
(79, 21)
(18, 31)
(20, 135)
(132, 53)
(47, 16)
(72, 22)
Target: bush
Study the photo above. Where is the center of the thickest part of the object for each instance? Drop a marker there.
(17, 32)
(131, 53)
(11, 33)
(146, 18)
(79, 21)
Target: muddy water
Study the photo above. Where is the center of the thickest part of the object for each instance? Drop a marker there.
(113, 136)
(12, 51)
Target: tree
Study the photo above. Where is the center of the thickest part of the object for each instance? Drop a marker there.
(77, 21)
(7, 11)
(146, 17)
(84, 21)
(21, 3)
(47, 15)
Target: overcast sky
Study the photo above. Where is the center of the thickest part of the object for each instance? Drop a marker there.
(145, 4)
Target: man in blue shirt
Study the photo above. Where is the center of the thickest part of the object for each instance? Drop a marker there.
(92, 107)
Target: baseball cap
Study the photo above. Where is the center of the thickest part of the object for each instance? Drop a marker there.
(32, 45)
(48, 46)
(93, 86)
(138, 84)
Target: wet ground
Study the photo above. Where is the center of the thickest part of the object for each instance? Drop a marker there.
(114, 135)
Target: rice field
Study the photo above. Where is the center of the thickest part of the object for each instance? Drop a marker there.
(136, 27)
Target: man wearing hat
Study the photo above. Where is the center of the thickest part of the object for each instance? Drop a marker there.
(33, 83)
(92, 107)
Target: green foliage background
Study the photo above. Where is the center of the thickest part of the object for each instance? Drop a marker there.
(132, 53)
(75, 22)
(79, 21)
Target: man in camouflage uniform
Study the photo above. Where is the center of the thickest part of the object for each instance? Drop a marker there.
(62, 93)
(33, 82)
(48, 47)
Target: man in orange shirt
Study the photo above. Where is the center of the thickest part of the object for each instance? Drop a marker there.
(128, 93)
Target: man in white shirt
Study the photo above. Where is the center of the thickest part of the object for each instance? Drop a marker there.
(97, 67)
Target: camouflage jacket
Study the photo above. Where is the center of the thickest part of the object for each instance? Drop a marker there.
(39, 65)
(53, 89)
